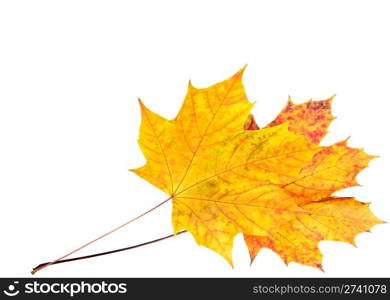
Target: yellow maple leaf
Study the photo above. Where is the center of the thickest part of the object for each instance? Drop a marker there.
(222, 179)
(225, 176)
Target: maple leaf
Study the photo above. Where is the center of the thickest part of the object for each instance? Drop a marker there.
(222, 179)
(333, 168)
(226, 176)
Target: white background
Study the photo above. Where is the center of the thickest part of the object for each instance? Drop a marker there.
(70, 75)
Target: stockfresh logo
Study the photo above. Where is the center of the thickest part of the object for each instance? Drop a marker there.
(12, 289)
(71, 288)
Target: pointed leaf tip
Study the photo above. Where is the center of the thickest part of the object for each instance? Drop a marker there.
(241, 71)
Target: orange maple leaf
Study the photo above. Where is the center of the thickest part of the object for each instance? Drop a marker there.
(224, 179)
(333, 168)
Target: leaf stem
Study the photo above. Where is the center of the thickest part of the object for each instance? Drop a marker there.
(35, 270)
(41, 266)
